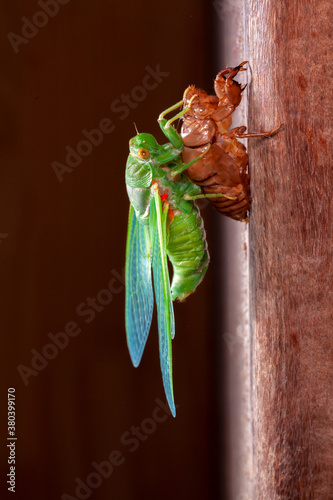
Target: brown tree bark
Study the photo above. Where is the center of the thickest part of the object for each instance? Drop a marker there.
(290, 52)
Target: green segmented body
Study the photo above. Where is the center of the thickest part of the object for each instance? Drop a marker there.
(188, 252)
(186, 242)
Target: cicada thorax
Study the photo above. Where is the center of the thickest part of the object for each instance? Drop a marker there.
(186, 246)
(224, 168)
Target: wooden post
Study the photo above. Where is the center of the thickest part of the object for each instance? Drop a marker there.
(290, 48)
(236, 475)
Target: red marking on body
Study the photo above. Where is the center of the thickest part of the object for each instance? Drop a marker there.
(171, 216)
(164, 197)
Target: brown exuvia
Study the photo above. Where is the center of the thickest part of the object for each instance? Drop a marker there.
(224, 167)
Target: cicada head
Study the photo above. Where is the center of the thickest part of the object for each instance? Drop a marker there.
(144, 147)
(200, 104)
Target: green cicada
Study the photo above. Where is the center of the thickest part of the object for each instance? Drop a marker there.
(164, 221)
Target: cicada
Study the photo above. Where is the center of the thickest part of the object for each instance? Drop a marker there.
(224, 169)
(164, 223)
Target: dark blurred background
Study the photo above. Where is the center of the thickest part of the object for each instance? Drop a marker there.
(63, 230)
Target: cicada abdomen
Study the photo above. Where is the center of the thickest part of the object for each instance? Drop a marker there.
(187, 250)
(224, 168)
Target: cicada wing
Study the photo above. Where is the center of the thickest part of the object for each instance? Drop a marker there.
(165, 315)
(139, 300)
(172, 316)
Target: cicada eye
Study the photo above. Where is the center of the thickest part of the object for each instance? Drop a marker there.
(143, 153)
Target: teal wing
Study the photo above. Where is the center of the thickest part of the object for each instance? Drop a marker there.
(139, 300)
(165, 315)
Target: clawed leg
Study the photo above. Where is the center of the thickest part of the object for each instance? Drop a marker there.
(239, 132)
(232, 72)
(215, 195)
(226, 86)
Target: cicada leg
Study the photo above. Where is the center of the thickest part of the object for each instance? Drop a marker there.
(181, 113)
(183, 166)
(239, 132)
(214, 195)
(234, 72)
(172, 108)
(176, 106)
(169, 131)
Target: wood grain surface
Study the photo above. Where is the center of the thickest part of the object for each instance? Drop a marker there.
(290, 52)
